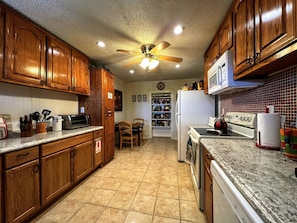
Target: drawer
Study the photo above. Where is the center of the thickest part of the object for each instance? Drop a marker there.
(21, 156)
(98, 133)
(52, 147)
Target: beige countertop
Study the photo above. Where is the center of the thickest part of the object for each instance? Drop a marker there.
(17, 143)
(265, 178)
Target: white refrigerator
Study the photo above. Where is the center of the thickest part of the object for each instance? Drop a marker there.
(192, 108)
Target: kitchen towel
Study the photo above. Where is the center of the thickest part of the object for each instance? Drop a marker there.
(268, 136)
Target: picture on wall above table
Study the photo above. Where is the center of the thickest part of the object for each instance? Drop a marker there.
(139, 97)
(133, 98)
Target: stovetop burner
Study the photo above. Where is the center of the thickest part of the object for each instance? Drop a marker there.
(213, 132)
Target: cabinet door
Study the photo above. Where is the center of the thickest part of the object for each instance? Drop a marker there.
(215, 50)
(82, 160)
(108, 137)
(243, 56)
(58, 65)
(208, 195)
(24, 52)
(275, 27)
(56, 175)
(22, 191)
(108, 86)
(1, 43)
(207, 65)
(80, 73)
(226, 34)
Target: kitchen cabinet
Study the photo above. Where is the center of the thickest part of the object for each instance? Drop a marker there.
(24, 52)
(265, 27)
(58, 64)
(208, 200)
(1, 191)
(100, 106)
(80, 73)
(161, 110)
(63, 163)
(21, 184)
(1, 42)
(98, 145)
(207, 65)
(226, 34)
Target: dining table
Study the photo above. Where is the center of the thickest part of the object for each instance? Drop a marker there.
(136, 127)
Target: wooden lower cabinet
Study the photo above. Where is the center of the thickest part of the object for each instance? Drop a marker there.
(208, 201)
(63, 163)
(82, 160)
(21, 184)
(56, 175)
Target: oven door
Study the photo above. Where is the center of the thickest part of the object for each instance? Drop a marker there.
(196, 170)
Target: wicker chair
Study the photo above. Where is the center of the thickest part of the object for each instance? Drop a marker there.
(127, 136)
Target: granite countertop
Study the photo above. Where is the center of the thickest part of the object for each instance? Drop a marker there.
(265, 178)
(17, 143)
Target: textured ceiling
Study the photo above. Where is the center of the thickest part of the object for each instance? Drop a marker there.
(127, 24)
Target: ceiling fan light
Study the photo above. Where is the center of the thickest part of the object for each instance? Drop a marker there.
(145, 63)
(153, 64)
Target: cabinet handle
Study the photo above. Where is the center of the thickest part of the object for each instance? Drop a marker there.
(211, 189)
(73, 88)
(20, 156)
(42, 82)
(249, 60)
(36, 168)
(208, 156)
(257, 55)
(68, 88)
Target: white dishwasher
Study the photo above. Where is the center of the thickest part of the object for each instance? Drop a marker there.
(229, 206)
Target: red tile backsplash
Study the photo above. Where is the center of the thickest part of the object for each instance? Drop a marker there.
(279, 90)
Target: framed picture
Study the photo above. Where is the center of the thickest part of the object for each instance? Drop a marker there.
(118, 100)
(139, 98)
(144, 98)
(133, 98)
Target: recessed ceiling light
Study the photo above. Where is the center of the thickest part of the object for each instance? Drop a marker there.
(177, 66)
(178, 30)
(101, 44)
(131, 71)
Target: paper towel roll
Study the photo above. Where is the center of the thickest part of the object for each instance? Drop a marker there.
(268, 136)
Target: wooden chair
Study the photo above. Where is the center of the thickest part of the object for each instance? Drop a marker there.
(141, 121)
(127, 136)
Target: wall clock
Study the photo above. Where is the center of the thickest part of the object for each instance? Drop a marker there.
(160, 85)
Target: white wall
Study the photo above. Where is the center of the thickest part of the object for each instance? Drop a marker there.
(19, 101)
(143, 109)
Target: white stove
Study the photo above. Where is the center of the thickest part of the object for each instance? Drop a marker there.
(240, 126)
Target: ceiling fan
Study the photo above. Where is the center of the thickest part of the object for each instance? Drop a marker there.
(151, 57)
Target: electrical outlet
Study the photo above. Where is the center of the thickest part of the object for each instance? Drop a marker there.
(82, 109)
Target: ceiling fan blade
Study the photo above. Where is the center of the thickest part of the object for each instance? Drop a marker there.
(168, 58)
(136, 61)
(130, 52)
(161, 46)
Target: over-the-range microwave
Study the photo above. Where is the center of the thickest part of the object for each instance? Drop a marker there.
(221, 77)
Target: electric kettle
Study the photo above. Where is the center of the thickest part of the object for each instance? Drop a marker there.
(221, 124)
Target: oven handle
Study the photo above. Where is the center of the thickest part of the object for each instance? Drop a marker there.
(194, 139)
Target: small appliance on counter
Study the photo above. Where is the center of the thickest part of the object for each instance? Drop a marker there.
(75, 121)
(3, 128)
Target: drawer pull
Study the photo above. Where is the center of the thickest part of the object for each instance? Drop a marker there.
(36, 168)
(20, 156)
(208, 156)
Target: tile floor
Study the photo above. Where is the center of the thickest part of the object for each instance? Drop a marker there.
(145, 185)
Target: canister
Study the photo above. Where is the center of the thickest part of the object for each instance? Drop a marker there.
(57, 123)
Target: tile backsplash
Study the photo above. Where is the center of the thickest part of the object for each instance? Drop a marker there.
(279, 90)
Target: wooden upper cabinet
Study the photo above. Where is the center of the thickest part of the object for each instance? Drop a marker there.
(1, 42)
(207, 65)
(275, 26)
(80, 73)
(24, 52)
(243, 49)
(108, 91)
(58, 64)
(226, 34)
(215, 50)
